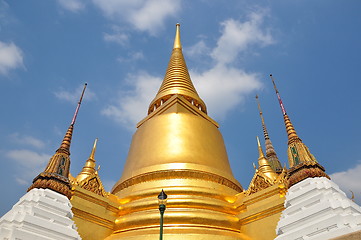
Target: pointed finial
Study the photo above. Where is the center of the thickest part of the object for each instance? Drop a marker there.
(278, 96)
(265, 132)
(263, 164)
(77, 108)
(94, 149)
(177, 41)
(261, 154)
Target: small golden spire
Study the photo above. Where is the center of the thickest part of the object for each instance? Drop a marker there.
(302, 163)
(56, 174)
(92, 154)
(270, 151)
(89, 167)
(260, 151)
(177, 80)
(263, 164)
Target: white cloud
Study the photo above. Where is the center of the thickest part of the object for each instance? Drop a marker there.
(117, 36)
(29, 164)
(198, 49)
(223, 88)
(238, 36)
(131, 106)
(73, 96)
(120, 38)
(143, 15)
(71, 5)
(27, 140)
(132, 57)
(11, 57)
(27, 158)
(349, 180)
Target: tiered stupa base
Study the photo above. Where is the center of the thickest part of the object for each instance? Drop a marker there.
(196, 209)
(41, 214)
(316, 208)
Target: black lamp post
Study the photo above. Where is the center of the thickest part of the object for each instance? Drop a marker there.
(162, 200)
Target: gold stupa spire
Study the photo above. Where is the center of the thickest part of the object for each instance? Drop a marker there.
(302, 163)
(88, 177)
(89, 167)
(270, 151)
(264, 165)
(177, 80)
(177, 41)
(55, 176)
(92, 154)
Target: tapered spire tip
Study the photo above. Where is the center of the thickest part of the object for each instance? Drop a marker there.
(78, 106)
(258, 143)
(278, 96)
(261, 154)
(177, 41)
(92, 154)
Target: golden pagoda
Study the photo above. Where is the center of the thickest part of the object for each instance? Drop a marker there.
(177, 148)
(179, 152)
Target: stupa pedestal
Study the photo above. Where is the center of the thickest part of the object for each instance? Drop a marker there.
(316, 208)
(41, 214)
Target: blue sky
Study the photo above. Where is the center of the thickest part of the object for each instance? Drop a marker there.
(48, 49)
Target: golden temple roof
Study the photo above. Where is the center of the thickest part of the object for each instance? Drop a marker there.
(177, 80)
